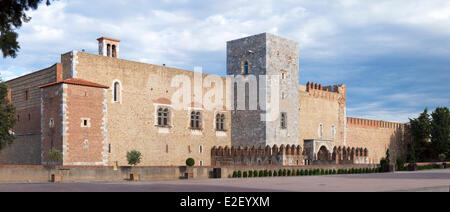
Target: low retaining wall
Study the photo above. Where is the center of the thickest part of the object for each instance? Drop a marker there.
(17, 173)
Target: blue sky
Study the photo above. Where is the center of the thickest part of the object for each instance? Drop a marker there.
(394, 56)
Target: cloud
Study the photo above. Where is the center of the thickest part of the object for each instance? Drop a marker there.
(393, 55)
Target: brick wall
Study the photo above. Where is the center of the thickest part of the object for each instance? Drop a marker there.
(26, 148)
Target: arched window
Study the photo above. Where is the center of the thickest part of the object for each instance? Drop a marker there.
(113, 51)
(108, 50)
(195, 120)
(245, 67)
(117, 92)
(163, 117)
(320, 130)
(220, 122)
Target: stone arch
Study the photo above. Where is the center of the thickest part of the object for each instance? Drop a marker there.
(288, 149)
(322, 154)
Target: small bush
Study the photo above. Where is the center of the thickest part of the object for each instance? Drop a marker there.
(284, 172)
(302, 172)
(55, 155)
(322, 172)
(280, 172)
(298, 172)
(275, 173)
(250, 173)
(334, 171)
(310, 172)
(234, 174)
(255, 173)
(270, 173)
(266, 173)
(134, 157)
(261, 173)
(288, 172)
(327, 172)
(245, 175)
(190, 162)
(239, 174)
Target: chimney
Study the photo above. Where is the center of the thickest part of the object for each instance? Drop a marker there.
(108, 47)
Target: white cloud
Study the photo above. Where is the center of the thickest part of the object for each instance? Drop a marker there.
(181, 33)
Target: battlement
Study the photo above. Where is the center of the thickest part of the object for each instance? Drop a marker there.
(331, 92)
(257, 155)
(373, 123)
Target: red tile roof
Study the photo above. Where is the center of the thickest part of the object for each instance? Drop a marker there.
(75, 81)
(105, 38)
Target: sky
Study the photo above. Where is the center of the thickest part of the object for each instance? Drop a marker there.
(394, 56)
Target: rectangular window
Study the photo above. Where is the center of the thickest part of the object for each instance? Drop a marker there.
(85, 122)
(220, 122)
(163, 117)
(283, 120)
(109, 148)
(195, 120)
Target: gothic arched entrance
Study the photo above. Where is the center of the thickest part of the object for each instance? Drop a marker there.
(322, 154)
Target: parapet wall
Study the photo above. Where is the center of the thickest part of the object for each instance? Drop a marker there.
(257, 156)
(377, 136)
(331, 92)
(359, 122)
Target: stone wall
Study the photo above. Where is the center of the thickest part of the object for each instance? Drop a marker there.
(257, 156)
(322, 106)
(132, 121)
(377, 137)
(36, 174)
(26, 97)
(268, 56)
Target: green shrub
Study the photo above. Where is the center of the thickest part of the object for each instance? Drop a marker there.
(234, 174)
(334, 171)
(134, 157)
(284, 172)
(261, 173)
(310, 172)
(250, 173)
(266, 173)
(288, 172)
(302, 172)
(442, 157)
(280, 172)
(275, 173)
(245, 174)
(322, 172)
(239, 174)
(327, 172)
(298, 172)
(255, 173)
(55, 155)
(190, 162)
(270, 173)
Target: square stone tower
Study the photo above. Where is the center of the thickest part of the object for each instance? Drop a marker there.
(251, 63)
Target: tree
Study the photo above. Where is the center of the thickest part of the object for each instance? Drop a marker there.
(134, 157)
(7, 117)
(55, 155)
(12, 15)
(440, 132)
(190, 162)
(420, 131)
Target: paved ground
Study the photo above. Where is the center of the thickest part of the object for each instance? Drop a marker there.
(425, 181)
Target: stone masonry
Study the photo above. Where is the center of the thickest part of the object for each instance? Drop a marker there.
(95, 108)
